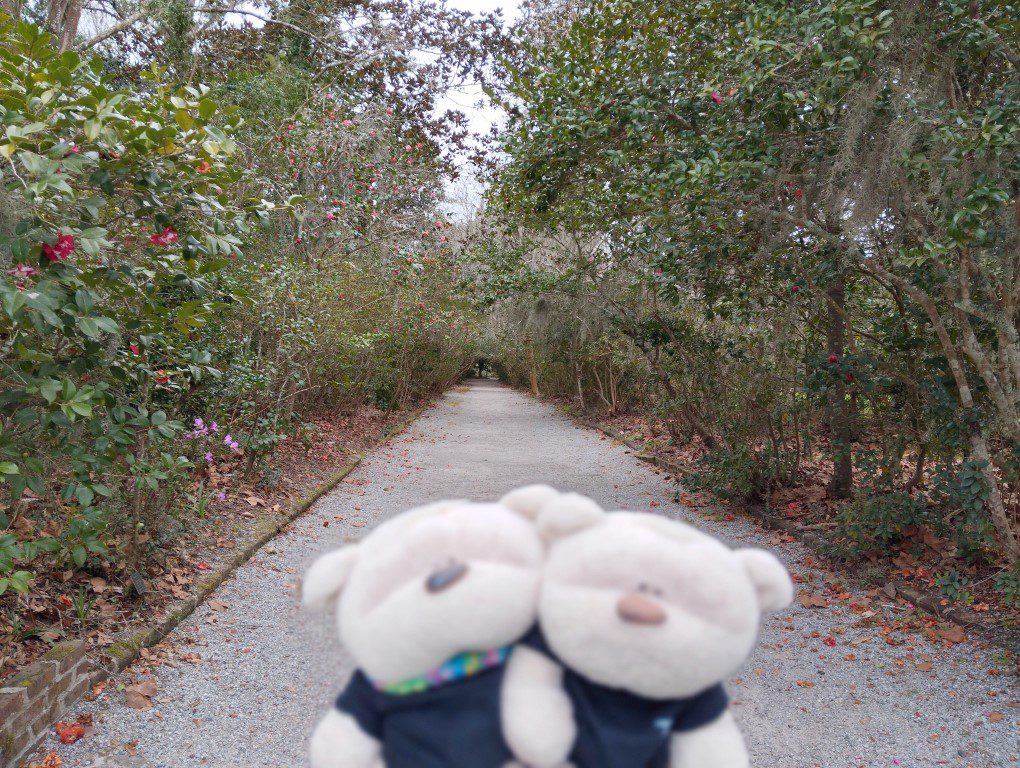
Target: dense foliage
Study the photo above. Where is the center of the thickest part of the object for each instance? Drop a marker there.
(792, 228)
(188, 275)
(787, 232)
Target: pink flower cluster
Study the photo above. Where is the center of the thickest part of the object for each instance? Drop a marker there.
(202, 429)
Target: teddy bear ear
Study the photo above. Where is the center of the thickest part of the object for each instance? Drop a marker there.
(769, 576)
(328, 576)
(567, 514)
(527, 501)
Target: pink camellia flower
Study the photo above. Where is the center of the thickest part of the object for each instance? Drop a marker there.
(60, 251)
(330, 216)
(716, 97)
(22, 271)
(166, 237)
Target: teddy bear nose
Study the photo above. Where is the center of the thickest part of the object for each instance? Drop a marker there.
(638, 609)
(446, 577)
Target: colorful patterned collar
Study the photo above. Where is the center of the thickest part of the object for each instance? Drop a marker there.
(457, 668)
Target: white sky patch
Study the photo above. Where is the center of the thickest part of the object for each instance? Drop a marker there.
(464, 195)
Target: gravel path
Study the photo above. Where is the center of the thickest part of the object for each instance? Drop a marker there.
(267, 670)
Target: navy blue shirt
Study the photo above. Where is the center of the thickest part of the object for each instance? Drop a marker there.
(455, 725)
(618, 729)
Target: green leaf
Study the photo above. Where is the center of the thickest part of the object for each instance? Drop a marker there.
(184, 119)
(49, 389)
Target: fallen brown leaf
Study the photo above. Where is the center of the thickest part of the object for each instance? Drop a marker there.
(953, 634)
(139, 695)
(812, 600)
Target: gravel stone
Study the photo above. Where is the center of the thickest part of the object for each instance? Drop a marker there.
(268, 669)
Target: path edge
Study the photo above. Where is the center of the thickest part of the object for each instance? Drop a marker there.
(997, 635)
(40, 694)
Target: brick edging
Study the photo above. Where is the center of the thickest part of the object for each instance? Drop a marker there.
(39, 695)
(36, 697)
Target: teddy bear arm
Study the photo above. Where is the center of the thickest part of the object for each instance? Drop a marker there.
(538, 718)
(339, 742)
(719, 744)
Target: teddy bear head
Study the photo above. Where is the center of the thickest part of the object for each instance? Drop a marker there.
(647, 604)
(434, 582)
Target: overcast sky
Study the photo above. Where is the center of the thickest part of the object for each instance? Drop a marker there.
(464, 195)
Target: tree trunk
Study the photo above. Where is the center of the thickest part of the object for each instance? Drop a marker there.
(996, 507)
(12, 8)
(578, 376)
(839, 416)
(532, 369)
(62, 17)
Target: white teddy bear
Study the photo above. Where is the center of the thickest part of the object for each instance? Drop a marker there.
(641, 620)
(428, 604)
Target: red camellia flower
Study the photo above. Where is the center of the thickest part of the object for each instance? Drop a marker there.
(833, 359)
(716, 97)
(203, 167)
(161, 377)
(166, 237)
(135, 350)
(22, 271)
(60, 251)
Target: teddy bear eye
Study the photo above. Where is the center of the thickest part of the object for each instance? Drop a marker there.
(649, 589)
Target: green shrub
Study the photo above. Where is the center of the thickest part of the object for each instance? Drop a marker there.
(123, 218)
(877, 521)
